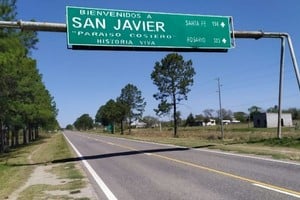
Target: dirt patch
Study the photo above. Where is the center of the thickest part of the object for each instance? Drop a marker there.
(42, 176)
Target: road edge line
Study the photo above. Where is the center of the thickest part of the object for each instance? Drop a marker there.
(108, 193)
(276, 190)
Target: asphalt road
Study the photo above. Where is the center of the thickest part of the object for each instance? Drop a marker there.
(127, 169)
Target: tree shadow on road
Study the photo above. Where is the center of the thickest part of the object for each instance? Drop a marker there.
(203, 146)
(110, 155)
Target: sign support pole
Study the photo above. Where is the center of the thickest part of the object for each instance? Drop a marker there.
(280, 87)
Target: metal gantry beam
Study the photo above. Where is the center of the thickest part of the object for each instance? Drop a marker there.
(34, 26)
(61, 27)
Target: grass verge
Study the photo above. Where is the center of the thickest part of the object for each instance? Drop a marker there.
(239, 139)
(17, 166)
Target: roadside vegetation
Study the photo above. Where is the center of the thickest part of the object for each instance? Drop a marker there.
(26, 105)
(238, 138)
(31, 169)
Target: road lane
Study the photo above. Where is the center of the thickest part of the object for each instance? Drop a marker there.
(138, 170)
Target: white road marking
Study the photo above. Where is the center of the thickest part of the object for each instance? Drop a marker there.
(97, 178)
(277, 190)
(248, 156)
(255, 183)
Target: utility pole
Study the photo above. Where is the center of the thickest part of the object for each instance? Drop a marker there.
(220, 106)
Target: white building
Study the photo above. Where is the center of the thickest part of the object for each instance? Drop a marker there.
(270, 120)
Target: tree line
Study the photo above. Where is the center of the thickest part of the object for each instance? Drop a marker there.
(25, 103)
(241, 116)
(129, 106)
(106, 118)
(173, 77)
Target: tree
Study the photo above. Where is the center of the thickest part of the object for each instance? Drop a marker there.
(273, 109)
(84, 122)
(208, 113)
(151, 121)
(178, 118)
(8, 43)
(199, 118)
(295, 113)
(241, 116)
(133, 103)
(8, 12)
(226, 114)
(173, 77)
(253, 110)
(69, 127)
(24, 101)
(110, 113)
(190, 120)
(102, 115)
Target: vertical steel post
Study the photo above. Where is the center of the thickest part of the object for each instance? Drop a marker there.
(293, 59)
(280, 87)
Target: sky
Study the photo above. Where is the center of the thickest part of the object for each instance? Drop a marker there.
(82, 80)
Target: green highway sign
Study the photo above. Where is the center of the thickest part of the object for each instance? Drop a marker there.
(93, 28)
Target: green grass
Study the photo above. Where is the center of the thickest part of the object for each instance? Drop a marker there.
(38, 191)
(54, 147)
(67, 171)
(16, 167)
(275, 142)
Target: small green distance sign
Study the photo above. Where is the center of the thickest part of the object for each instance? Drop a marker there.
(119, 29)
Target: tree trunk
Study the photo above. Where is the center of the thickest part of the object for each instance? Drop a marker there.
(129, 125)
(113, 128)
(122, 127)
(17, 137)
(6, 138)
(1, 138)
(30, 133)
(25, 136)
(36, 132)
(175, 115)
(33, 133)
(13, 137)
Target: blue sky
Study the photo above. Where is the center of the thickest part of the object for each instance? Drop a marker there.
(82, 81)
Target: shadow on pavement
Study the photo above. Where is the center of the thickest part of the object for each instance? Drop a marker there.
(203, 146)
(109, 155)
